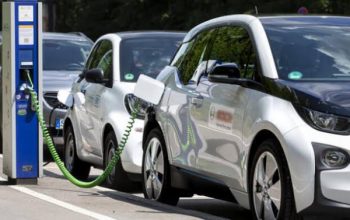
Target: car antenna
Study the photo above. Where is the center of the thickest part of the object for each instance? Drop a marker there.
(256, 10)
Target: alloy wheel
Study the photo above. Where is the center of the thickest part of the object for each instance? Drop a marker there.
(154, 169)
(267, 187)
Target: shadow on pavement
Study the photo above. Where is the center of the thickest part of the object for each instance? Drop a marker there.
(156, 206)
(216, 207)
(47, 155)
(184, 207)
(201, 208)
(91, 178)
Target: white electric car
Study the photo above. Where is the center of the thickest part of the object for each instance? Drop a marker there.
(103, 101)
(255, 111)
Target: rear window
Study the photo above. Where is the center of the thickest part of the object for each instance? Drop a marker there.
(65, 54)
(145, 56)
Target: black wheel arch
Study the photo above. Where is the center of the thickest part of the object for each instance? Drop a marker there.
(259, 138)
(67, 123)
(106, 130)
(150, 124)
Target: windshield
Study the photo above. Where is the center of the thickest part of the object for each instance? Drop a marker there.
(145, 56)
(65, 54)
(310, 52)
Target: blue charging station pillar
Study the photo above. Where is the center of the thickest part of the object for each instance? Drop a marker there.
(22, 54)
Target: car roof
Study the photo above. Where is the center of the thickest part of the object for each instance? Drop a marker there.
(150, 34)
(284, 19)
(65, 36)
(305, 20)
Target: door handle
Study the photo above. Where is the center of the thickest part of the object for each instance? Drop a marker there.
(197, 101)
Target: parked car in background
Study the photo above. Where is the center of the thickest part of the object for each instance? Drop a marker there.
(64, 56)
(255, 111)
(92, 130)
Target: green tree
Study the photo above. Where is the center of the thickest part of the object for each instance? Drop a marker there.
(104, 16)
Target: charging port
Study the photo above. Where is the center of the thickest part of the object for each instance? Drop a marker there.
(24, 74)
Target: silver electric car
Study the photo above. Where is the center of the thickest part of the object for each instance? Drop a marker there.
(255, 111)
(93, 129)
(64, 57)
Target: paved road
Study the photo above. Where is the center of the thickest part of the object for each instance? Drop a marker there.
(55, 198)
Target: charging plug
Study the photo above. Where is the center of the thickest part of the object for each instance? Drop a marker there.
(149, 89)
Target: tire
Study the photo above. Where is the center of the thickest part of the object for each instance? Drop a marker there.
(118, 179)
(78, 168)
(156, 183)
(270, 181)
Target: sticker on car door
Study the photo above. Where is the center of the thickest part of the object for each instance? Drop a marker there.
(220, 117)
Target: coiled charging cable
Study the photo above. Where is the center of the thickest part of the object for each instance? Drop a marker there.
(56, 157)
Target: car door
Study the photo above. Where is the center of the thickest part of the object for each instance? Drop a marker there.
(94, 94)
(84, 122)
(181, 131)
(219, 112)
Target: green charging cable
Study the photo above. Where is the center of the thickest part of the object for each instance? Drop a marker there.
(56, 157)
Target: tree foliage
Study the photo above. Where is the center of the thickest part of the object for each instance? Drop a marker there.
(104, 16)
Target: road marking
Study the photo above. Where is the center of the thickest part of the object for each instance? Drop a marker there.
(60, 203)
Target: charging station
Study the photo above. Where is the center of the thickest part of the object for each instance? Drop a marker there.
(22, 55)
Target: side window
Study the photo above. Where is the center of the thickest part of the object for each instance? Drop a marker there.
(102, 58)
(192, 55)
(106, 64)
(92, 56)
(233, 45)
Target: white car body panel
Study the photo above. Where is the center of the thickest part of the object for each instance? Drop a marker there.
(187, 128)
(335, 185)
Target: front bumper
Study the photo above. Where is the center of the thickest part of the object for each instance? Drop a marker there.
(54, 113)
(332, 189)
(335, 185)
(133, 153)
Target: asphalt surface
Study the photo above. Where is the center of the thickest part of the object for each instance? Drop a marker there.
(55, 198)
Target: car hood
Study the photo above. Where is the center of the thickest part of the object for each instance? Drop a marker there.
(330, 97)
(58, 80)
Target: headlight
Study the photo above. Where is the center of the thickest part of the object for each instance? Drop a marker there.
(130, 104)
(326, 122)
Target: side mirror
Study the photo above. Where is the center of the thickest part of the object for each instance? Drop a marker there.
(94, 76)
(82, 74)
(230, 74)
(221, 73)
